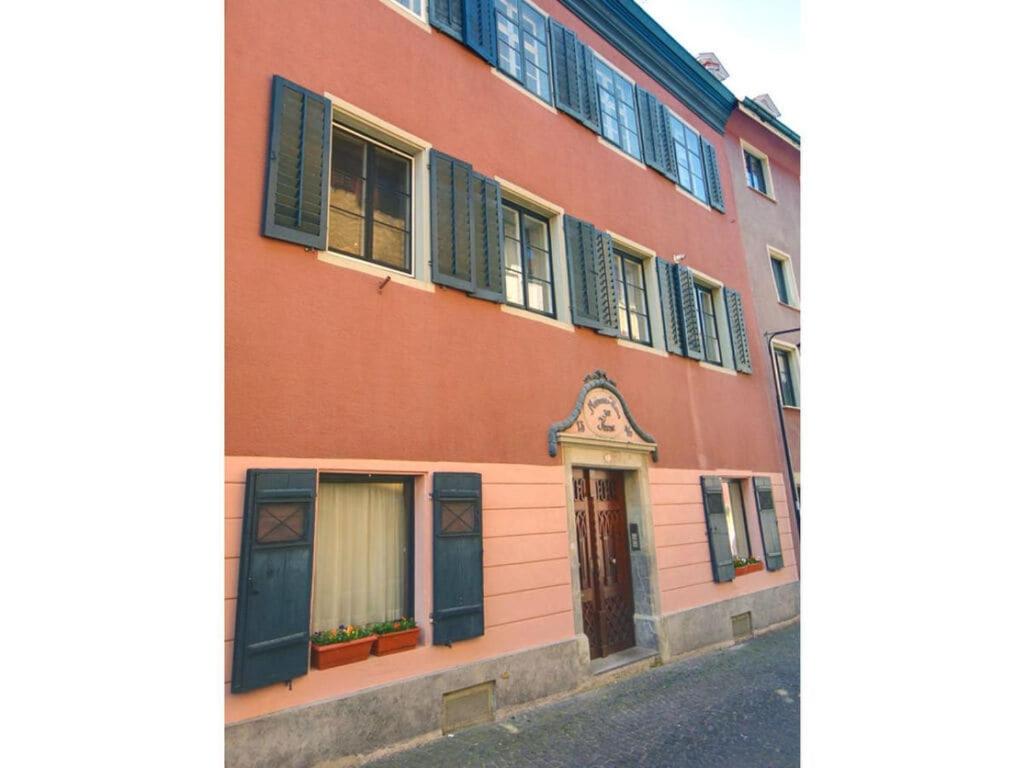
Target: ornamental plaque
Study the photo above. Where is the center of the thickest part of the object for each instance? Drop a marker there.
(600, 417)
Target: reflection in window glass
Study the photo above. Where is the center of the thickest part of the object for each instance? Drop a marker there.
(523, 45)
(370, 201)
(634, 323)
(618, 108)
(708, 324)
(783, 361)
(413, 5)
(688, 158)
(755, 172)
(736, 519)
(778, 270)
(528, 277)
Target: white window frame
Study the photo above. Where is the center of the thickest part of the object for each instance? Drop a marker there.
(788, 273)
(794, 371)
(420, 19)
(679, 188)
(636, 110)
(392, 137)
(746, 146)
(555, 216)
(521, 86)
(717, 288)
(650, 266)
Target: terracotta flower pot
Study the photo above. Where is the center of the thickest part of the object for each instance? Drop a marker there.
(393, 642)
(749, 568)
(336, 654)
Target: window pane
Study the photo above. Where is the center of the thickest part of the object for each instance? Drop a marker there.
(391, 207)
(735, 518)
(360, 568)
(638, 326)
(780, 280)
(345, 233)
(390, 245)
(540, 265)
(348, 172)
(540, 297)
(692, 140)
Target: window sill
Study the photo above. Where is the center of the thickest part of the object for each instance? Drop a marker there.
(789, 306)
(528, 315)
(604, 142)
(693, 198)
(792, 408)
(718, 368)
(765, 195)
(408, 15)
(348, 262)
(519, 87)
(641, 347)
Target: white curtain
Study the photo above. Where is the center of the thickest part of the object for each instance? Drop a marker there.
(361, 554)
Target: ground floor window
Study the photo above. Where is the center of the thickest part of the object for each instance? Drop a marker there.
(362, 570)
(736, 519)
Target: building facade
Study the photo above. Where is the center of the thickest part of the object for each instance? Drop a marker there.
(764, 162)
(491, 364)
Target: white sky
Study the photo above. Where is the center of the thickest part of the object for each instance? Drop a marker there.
(758, 42)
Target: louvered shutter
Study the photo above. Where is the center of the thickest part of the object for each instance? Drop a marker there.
(770, 538)
(654, 134)
(667, 287)
(574, 76)
(458, 557)
(479, 31)
(688, 317)
(488, 261)
(716, 197)
(446, 15)
(451, 183)
(722, 567)
(591, 277)
(738, 330)
(295, 199)
(275, 577)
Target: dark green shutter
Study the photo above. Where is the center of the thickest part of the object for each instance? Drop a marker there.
(488, 260)
(668, 287)
(769, 523)
(659, 152)
(592, 286)
(574, 76)
(715, 195)
(446, 15)
(479, 29)
(295, 200)
(451, 183)
(722, 567)
(275, 576)
(738, 331)
(458, 557)
(688, 316)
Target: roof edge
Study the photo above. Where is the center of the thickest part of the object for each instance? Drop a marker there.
(773, 121)
(641, 39)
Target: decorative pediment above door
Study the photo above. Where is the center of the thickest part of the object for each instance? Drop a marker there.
(602, 418)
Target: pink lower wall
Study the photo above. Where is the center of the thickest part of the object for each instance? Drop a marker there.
(527, 578)
(681, 542)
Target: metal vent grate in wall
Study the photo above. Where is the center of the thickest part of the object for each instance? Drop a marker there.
(467, 707)
(742, 625)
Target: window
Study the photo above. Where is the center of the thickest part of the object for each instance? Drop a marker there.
(785, 282)
(523, 46)
(736, 518)
(779, 271)
(362, 569)
(634, 322)
(708, 318)
(416, 6)
(758, 170)
(786, 366)
(528, 281)
(688, 158)
(755, 173)
(618, 109)
(370, 200)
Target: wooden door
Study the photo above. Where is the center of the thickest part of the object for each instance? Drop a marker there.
(606, 584)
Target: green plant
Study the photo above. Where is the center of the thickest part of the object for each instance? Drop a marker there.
(340, 635)
(739, 562)
(386, 627)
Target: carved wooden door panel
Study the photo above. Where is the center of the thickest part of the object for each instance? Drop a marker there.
(606, 585)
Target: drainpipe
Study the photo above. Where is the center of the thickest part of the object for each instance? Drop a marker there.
(782, 424)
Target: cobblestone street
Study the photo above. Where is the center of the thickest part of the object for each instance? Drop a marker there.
(735, 707)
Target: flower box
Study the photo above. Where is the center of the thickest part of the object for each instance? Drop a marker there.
(742, 569)
(393, 642)
(336, 654)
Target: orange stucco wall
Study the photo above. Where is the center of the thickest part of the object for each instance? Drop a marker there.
(319, 363)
